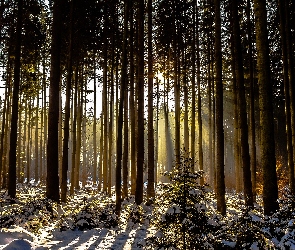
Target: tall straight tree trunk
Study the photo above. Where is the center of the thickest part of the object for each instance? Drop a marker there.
(79, 130)
(193, 115)
(211, 162)
(151, 144)
(243, 123)
(268, 160)
(65, 149)
(52, 181)
(94, 175)
(140, 111)
(84, 139)
(24, 141)
(110, 163)
(157, 134)
(4, 121)
(185, 95)
(60, 118)
(126, 146)
(121, 106)
(19, 143)
(290, 59)
(74, 133)
(100, 177)
(29, 128)
(105, 102)
(36, 142)
(132, 108)
(14, 115)
(252, 102)
(45, 124)
(220, 184)
(200, 123)
(287, 96)
(237, 144)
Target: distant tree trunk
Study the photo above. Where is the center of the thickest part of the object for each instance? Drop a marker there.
(24, 142)
(19, 143)
(140, 112)
(29, 142)
(60, 118)
(211, 162)
(36, 142)
(45, 124)
(74, 133)
(200, 124)
(79, 131)
(126, 146)
(237, 144)
(220, 191)
(100, 152)
(157, 134)
(193, 118)
(14, 115)
(151, 145)
(243, 123)
(132, 108)
(52, 182)
(110, 176)
(185, 96)
(105, 101)
(121, 106)
(94, 174)
(83, 138)
(268, 160)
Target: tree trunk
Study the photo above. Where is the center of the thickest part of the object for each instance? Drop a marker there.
(268, 160)
(140, 111)
(132, 109)
(151, 153)
(79, 131)
(220, 191)
(200, 142)
(94, 174)
(52, 182)
(243, 124)
(126, 146)
(14, 115)
(121, 106)
(193, 118)
(74, 133)
(36, 141)
(252, 102)
(65, 149)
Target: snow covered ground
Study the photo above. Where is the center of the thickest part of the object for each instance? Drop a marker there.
(32, 223)
(87, 221)
(99, 238)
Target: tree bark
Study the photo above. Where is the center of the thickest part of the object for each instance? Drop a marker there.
(65, 157)
(52, 181)
(220, 191)
(14, 115)
(151, 152)
(267, 146)
(243, 123)
(140, 111)
(121, 105)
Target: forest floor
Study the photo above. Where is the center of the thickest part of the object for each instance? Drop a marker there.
(87, 221)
